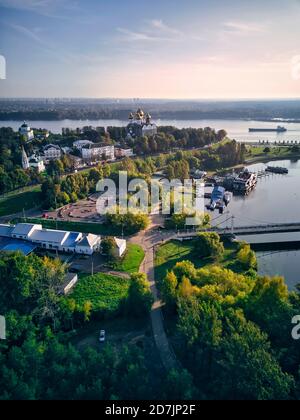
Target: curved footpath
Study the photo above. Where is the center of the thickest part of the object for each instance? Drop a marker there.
(148, 240)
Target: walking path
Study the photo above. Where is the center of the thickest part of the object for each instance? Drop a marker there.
(148, 239)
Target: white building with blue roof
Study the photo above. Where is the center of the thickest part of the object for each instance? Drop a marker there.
(53, 240)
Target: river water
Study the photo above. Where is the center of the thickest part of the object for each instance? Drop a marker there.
(277, 200)
(236, 129)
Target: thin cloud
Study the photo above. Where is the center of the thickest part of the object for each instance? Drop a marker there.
(131, 36)
(48, 8)
(160, 25)
(243, 28)
(156, 30)
(29, 33)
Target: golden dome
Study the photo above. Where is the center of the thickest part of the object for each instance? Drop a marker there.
(140, 112)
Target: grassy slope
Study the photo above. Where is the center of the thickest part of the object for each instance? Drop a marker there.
(104, 291)
(15, 202)
(175, 251)
(132, 260)
(257, 153)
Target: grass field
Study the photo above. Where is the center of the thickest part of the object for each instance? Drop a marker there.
(280, 152)
(105, 292)
(132, 260)
(15, 202)
(169, 254)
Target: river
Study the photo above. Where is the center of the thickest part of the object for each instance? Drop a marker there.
(236, 129)
(276, 199)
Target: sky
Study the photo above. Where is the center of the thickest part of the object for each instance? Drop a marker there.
(184, 49)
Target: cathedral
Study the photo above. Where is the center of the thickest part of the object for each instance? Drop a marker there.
(140, 125)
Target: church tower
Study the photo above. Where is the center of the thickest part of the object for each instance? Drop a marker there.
(25, 161)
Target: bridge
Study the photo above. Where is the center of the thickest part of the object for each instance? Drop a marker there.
(245, 230)
(260, 229)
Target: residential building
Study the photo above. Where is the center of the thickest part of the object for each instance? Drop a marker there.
(37, 163)
(88, 245)
(77, 161)
(52, 152)
(66, 150)
(26, 131)
(24, 230)
(95, 152)
(121, 153)
(33, 161)
(43, 135)
(79, 144)
(54, 240)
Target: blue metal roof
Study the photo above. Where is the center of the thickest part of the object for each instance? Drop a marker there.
(13, 246)
(71, 239)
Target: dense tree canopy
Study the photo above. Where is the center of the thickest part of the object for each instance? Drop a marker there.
(235, 330)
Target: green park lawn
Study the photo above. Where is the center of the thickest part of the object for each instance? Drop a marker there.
(105, 292)
(132, 260)
(15, 202)
(275, 152)
(170, 253)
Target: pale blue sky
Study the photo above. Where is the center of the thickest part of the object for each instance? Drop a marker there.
(156, 48)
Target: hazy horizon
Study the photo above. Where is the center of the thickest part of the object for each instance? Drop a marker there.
(129, 99)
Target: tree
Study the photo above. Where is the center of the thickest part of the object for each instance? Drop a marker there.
(95, 174)
(185, 269)
(179, 385)
(246, 368)
(140, 298)
(208, 244)
(168, 288)
(108, 246)
(87, 310)
(247, 257)
(128, 223)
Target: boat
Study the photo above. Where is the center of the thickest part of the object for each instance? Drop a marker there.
(277, 170)
(199, 174)
(278, 129)
(227, 198)
(245, 182)
(217, 197)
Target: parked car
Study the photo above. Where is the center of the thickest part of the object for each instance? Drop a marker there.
(102, 336)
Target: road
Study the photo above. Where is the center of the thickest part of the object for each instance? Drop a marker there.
(148, 240)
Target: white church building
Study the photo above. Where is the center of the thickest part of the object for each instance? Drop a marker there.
(26, 131)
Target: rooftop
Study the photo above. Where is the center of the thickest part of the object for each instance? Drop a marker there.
(24, 228)
(6, 230)
(89, 240)
(48, 235)
(51, 146)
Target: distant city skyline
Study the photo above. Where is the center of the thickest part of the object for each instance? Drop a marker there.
(196, 49)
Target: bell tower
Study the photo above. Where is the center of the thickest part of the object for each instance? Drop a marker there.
(25, 161)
